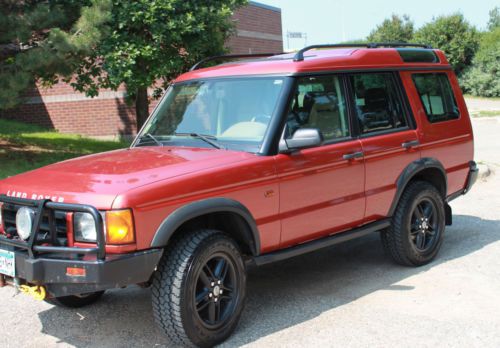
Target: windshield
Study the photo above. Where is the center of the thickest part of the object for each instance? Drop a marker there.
(228, 113)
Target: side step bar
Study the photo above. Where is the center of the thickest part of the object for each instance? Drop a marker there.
(320, 243)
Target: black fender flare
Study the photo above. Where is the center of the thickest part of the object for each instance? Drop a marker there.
(196, 209)
(410, 171)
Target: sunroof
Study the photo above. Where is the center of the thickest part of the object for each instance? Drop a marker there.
(412, 55)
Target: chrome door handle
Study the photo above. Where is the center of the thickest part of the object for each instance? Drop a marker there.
(410, 144)
(349, 156)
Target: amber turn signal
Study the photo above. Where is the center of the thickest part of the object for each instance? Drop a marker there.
(119, 227)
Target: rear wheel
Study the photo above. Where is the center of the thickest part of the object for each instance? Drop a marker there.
(416, 233)
(198, 290)
(76, 301)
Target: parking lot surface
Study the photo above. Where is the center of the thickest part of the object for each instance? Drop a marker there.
(350, 295)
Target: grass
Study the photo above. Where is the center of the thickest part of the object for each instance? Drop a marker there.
(485, 113)
(468, 96)
(25, 147)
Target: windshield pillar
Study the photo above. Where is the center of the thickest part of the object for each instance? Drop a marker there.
(271, 140)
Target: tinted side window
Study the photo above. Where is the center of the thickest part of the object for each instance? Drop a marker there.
(436, 96)
(319, 102)
(378, 106)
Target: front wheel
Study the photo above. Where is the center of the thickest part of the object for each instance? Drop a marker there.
(199, 289)
(416, 233)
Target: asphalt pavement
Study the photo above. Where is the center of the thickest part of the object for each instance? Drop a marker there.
(349, 295)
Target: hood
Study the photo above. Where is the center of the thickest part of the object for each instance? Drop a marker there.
(98, 179)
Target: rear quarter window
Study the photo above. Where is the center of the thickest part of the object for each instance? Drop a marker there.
(436, 96)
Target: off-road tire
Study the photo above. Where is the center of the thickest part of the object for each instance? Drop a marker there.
(76, 301)
(397, 240)
(176, 282)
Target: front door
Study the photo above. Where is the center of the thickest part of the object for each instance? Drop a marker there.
(321, 188)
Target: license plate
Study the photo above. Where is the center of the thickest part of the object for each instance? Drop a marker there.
(7, 263)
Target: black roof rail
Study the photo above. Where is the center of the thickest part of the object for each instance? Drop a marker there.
(230, 57)
(299, 56)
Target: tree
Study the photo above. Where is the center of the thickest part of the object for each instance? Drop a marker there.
(394, 29)
(454, 35)
(41, 40)
(483, 78)
(152, 41)
(494, 21)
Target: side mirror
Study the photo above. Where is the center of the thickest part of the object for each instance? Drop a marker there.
(303, 138)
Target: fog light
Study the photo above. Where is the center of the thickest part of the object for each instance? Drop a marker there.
(24, 222)
(120, 227)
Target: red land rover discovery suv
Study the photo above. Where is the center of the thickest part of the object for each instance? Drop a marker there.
(248, 162)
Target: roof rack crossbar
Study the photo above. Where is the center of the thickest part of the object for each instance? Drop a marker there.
(299, 56)
(231, 57)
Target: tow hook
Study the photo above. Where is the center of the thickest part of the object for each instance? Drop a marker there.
(37, 292)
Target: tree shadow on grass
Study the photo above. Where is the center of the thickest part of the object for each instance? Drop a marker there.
(280, 295)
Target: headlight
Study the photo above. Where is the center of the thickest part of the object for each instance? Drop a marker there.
(84, 228)
(118, 226)
(24, 222)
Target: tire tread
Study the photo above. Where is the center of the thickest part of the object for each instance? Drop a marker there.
(167, 284)
(393, 237)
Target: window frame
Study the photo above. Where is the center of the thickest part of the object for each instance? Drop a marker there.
(343, 86)
(436, 73)
(400, 95)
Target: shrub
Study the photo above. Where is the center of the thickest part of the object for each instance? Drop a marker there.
(483, 77)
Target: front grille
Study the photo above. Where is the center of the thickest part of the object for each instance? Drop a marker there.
(9, 212)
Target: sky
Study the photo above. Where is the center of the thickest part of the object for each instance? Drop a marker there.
(327, 21)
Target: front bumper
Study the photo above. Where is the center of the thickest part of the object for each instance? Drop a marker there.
(43, 261)
(114, 272)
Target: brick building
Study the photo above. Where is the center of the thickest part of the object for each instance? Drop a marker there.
(258, 29)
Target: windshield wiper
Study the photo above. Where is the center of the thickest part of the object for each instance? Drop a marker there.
(152, 137)
(209, 139)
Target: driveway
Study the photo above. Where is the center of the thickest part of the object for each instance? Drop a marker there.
(350, 295)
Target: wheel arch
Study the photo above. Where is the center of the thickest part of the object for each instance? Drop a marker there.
(221, 213)
(425, 169)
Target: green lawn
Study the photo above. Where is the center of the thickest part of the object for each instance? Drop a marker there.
(24, 147)
(485, 113)
(468, 96)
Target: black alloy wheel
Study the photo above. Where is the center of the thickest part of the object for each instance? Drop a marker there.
(424, 227)
(216, 291)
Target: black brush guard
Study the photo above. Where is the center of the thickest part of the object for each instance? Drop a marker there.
(40, 264)
(48, 207)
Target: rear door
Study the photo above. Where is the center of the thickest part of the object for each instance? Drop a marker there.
(388, 138)
(321, 188)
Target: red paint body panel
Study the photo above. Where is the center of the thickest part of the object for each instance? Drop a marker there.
(98, 179)
(246, 182)
(385, 160)
(320, 192)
